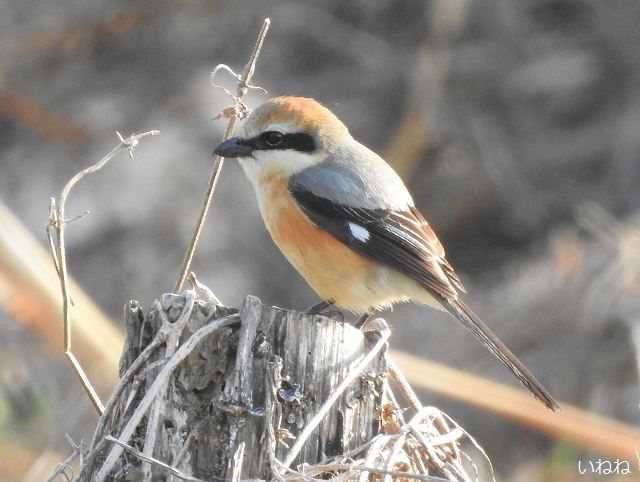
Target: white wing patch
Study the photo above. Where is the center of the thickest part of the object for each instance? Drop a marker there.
(359, 232)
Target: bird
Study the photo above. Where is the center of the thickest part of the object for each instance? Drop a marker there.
(346, 221)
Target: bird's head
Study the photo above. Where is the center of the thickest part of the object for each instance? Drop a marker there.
(284, 136)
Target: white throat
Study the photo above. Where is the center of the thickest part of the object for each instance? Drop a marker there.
(270, 165)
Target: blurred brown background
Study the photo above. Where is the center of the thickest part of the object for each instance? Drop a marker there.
(515, 123)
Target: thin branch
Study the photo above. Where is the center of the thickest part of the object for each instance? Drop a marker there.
(437, 455)
(447, 438)
(158, 384)
(359, 449)
(150, 431)
(351, 376)
(185, 447)
(139, 362)
(56, 233)
(433, 455)
(297, 476)
(393, 453)
(243, 85)
(87, 463)
(66, 464)
(238, 458)
(475, 443)
(374, 452)
(173, 331)
(377, 470)
(151, 460)
(406, 390)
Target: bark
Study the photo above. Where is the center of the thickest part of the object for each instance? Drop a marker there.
(246, 388)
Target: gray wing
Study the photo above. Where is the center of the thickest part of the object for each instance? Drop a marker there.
(356, 176)
(356, 187)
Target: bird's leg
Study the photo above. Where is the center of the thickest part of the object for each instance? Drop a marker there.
(363, 319)
(320, 307)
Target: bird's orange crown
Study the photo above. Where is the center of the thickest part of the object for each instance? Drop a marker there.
(302, 113)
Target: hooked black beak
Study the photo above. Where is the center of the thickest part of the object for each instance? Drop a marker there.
(233, 147)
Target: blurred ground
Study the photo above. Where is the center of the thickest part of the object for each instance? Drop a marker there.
(516, 125)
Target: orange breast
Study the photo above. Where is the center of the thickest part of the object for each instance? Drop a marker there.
(332, 269)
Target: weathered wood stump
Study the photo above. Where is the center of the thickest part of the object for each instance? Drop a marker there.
(218, 394)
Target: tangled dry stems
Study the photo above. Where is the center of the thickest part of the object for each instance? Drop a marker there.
(427, 446)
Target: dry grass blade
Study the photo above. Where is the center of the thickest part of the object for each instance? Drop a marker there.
(151, 460)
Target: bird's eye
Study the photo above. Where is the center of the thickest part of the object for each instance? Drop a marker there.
(272, 138)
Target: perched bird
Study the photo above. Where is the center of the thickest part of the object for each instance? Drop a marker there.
(345, 220)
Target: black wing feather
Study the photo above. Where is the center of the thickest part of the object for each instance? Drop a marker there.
(405, 242)
(401, 240)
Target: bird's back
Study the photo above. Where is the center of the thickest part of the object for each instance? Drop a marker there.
(354, 175)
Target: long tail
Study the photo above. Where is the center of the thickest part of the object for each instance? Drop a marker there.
(482, 332)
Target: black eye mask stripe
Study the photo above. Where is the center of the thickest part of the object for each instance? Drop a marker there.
(297, 141)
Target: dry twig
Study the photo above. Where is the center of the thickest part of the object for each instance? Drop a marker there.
(406, 390)
(122, 385)
(398, 455)
(151, 460)
(238, 457)
(377, 470)
(244, 84)
(61, 468)
(56, 233)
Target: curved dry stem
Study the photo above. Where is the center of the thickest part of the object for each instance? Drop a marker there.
(150, 460)
(56, 235)
(406, 390)
(135, 367)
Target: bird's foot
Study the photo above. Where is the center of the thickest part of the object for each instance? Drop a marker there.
(334, 315)
(322, 308)
(363, 319)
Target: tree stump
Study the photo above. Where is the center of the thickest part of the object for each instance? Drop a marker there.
(220, 395)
